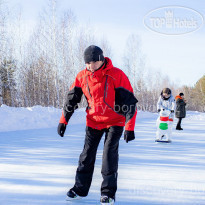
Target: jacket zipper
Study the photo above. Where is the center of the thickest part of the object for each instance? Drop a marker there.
(88, 87)
(106, 92)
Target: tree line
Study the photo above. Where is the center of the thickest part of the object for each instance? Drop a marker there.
(40, 69)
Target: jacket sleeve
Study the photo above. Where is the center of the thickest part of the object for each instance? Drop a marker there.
(173, 104)
(126, 101)
(159, 103)
(73, 98)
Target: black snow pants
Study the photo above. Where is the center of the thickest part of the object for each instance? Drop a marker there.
(179, 123)
(87, 158)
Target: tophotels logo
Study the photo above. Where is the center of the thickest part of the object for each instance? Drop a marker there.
(173, 20)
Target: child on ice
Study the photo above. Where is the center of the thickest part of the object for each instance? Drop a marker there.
(166, 107)
(166, 101)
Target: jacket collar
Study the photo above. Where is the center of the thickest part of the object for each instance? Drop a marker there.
(104, 68)
(164, 97)
(178, 97)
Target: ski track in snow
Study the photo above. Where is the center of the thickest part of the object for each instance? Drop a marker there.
(38, 167)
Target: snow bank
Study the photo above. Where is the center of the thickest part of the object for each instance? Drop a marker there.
(145, 115)
(195, 115)
(36, 117)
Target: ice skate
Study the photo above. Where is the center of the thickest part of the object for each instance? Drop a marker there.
(71, 196)
(105, 200)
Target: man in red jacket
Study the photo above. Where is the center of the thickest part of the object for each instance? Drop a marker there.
(111, 106)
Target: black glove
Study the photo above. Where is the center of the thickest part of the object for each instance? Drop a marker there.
(61, 129)
(172, 111)
(158, 110)
(129, 135)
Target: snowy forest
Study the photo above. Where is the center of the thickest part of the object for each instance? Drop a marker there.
(39, 70)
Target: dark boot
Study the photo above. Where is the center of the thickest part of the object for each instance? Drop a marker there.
(178, 127)
(71, 195)
(107, 200)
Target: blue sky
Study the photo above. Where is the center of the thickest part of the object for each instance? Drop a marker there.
(181, 57)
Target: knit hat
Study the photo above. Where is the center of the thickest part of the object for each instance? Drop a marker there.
(181, 94)
(93, 53)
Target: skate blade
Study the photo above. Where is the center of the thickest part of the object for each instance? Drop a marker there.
(73, 199)
(111, 203)
(163, 141)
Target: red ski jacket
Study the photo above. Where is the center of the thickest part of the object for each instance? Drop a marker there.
(110, 98)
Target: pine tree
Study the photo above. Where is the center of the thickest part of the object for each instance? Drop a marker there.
(199, 94)
(7, 69)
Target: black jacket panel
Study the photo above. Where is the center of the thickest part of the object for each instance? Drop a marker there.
(180, 111)
(125, 103)
(73, 98)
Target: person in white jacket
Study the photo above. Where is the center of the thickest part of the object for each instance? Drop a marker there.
(166, 101)
(165, 105)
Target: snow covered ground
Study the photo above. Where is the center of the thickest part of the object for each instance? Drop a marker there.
(38, 167)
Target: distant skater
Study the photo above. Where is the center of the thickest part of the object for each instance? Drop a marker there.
(180, 109)
(165, 108)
